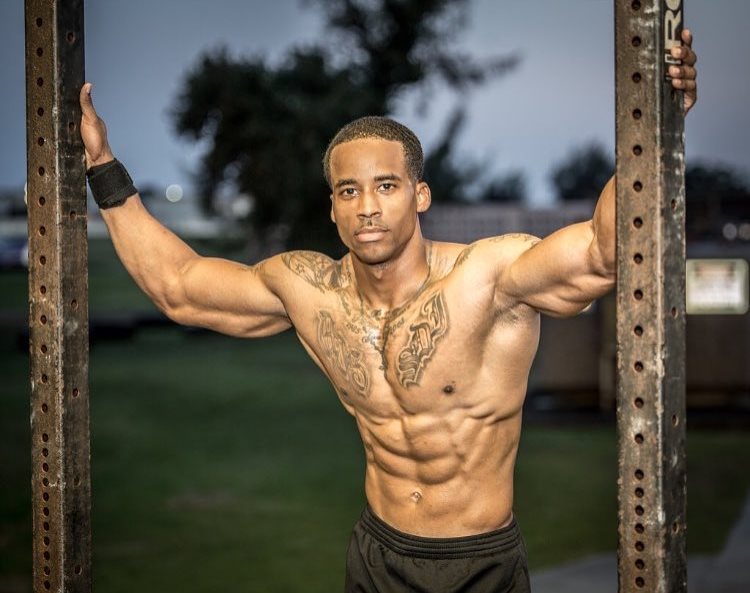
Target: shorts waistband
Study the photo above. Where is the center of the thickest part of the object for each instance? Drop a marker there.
(491, 542)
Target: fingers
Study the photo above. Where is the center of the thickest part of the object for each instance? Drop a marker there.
(684, 72)
(87, 106)
(685, 53)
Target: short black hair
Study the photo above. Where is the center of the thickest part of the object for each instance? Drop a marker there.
(373, 126)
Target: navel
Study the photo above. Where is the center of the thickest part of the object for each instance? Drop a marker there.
(450, 388)
(416, 496)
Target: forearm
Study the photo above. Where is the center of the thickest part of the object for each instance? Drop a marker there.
(151, 253)
(603, 246)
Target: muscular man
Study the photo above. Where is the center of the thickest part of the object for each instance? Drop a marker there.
(427, 344)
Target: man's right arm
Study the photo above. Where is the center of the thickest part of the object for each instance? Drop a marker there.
(217, 294)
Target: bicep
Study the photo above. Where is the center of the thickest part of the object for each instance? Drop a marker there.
(561, 274)
(228, 297)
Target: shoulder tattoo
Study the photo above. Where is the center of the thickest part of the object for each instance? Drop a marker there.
(314, 268)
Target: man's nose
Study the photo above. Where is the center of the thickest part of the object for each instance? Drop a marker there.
(369, 205)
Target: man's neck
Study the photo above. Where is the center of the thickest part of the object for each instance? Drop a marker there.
(389, 285)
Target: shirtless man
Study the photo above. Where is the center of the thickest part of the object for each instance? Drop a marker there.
(427, 344)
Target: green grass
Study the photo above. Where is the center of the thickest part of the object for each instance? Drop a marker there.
(222, 464)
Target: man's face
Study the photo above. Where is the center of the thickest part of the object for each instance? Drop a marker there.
(374, 203)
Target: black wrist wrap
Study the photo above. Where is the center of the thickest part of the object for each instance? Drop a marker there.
(110, 184)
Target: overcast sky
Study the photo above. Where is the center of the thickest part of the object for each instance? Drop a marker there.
(560, 97)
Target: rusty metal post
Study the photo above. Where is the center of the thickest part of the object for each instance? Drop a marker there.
(58, 297)
(650, 300)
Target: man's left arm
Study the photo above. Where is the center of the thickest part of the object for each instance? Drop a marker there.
(566, 271)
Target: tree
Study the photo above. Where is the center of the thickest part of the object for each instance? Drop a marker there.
(267, 127)
(583, 174)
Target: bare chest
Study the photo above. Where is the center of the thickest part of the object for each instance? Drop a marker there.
(407, 360)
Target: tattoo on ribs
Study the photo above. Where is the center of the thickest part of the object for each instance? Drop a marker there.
(314, 268)
(424, 335)
(345, 359)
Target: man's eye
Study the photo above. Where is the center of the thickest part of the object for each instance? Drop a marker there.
(348, 192)
(387, 186)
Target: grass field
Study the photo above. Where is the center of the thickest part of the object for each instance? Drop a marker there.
(225, 464)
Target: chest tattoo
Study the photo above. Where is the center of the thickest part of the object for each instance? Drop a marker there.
(341, 356)
(424, 334)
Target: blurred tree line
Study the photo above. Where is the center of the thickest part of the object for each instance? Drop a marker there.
(714, 194)
(266, 126)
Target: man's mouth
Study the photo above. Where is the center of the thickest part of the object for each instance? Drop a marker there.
(370, 233)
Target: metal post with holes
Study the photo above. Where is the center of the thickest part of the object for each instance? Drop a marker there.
(650, 300)
(58, 300)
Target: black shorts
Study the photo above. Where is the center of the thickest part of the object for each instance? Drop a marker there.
(381, 559)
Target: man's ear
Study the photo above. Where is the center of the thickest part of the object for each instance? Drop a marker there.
(424, 196)
(333, 214)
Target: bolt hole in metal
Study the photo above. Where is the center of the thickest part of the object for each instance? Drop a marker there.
(675, 527)
(40, 81)
(674, 311)
(42, 260)
(45, 526)
(39, 22)
(639, 474)
(45, 437)
(639, 546)
(43, 289)
(42, 200)
(639, 492)
(637, 114)
(47, 570)
(78, 569)
(75, 392)
(46, 541)
(40, 141)
(640, 564)
(639, 528)
(71, 37)
(639, 510)
(638, 330)
(637, 186)
(638, 403)
(41, 171)
(74, 304)
(636, 41)
(638, 294)
(39, 51)
(43, 319)
(635, 5)
(639, 438)
(638, 258)
(71, 126)
(637, 222)
(43, 349)
(45, 483)
(40, 111)
(47, 585)
(44, 378)
(639, 582)
(637, 150)
(45, 408)
(45, 510)
(675, 420)
(636, 77)
(72, 215)
(638, 366)
(45, 496)
(42, 231)
(45, 453)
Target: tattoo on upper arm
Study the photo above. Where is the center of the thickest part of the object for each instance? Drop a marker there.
(430, 327)
(314, 268)
(341, 356)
